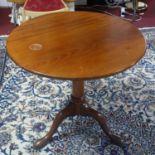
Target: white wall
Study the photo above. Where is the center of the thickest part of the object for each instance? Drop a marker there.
(4, 3)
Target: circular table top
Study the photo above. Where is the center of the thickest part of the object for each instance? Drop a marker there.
(76, 45)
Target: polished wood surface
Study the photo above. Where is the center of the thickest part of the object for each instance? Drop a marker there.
(76, 45)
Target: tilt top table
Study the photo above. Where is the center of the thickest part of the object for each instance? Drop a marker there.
(76, 46)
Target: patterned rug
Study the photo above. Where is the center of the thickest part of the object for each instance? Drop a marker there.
(29, 103)
(2, 56)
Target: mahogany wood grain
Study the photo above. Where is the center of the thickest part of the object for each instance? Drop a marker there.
(76, 45)
(78, 88)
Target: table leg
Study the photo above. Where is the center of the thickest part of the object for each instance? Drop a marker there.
(71, 110)
(76, 107)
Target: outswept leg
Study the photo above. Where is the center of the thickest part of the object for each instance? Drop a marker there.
(67, 111)
(102, 122)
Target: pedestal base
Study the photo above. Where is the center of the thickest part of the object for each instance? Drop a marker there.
(76, 107)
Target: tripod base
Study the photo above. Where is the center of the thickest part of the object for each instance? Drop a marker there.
(76, 107)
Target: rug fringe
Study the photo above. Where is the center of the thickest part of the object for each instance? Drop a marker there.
(147, 28)
(3, 36)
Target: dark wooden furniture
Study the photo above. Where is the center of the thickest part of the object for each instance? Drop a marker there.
(96, 2)
(76, 46)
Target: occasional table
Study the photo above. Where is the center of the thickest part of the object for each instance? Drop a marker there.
(76, 46)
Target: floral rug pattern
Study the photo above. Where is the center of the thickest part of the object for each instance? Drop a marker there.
(29, 103)
(2, 56)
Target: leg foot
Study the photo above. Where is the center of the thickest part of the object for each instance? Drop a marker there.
(116, 140)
